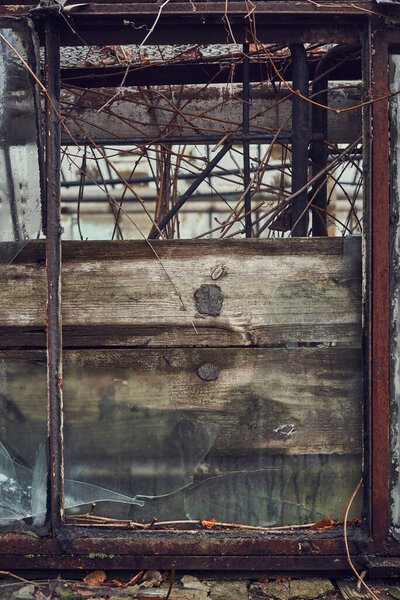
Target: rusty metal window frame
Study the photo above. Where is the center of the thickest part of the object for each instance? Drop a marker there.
(70, 547)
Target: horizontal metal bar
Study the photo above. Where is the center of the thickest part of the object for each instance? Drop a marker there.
(185, 139)
(150, 178)
(219, 8)
(311, 564)
(200, 72)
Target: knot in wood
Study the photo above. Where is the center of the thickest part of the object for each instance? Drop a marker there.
(209, 299)
(208, 372)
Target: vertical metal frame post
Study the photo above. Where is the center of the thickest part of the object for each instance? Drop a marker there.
(53, 271)
(378, 288)
(300, 139)
(246, 145)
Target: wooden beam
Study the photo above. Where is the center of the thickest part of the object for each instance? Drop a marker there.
(188, 293)
(273, 424)
(299, 401)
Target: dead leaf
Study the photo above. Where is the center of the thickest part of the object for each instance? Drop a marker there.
(209, 523)
(144, 58)
(190, 52)
(282, 221)
(95, 577)
(326, 523)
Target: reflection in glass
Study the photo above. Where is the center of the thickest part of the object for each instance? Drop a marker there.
(20, 190)
(251, 447)
(23, 421)
(23, 427)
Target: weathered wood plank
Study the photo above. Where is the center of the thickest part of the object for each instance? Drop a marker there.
(275, 438)
(220, 107)
(300, 401)
(123, 293)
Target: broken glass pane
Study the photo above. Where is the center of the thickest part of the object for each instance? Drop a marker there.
(23, 427)
(243, 442)
(20, 173)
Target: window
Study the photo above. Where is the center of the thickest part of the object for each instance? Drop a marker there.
(213, 384)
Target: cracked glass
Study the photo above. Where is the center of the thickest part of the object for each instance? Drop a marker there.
(23, 421)
(189, 435)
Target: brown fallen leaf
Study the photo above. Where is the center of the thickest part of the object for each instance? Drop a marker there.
(95, 577)
(326, 523)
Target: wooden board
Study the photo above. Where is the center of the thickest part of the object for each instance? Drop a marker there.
(300, 401)
(276, 437)
(279, 291)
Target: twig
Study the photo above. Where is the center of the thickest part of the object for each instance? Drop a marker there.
(118, 92)
(25, 64)
(134, 579)
(9, 574)
(346, 514)
(171, 583)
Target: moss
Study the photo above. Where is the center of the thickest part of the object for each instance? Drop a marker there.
(100, 555)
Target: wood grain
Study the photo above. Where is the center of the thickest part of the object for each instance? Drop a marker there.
(276, 291)
(299, 401)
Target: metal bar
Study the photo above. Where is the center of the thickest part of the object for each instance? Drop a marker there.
(149, 178)
(199, 179)
(319, 151)
(184, 139)
(86, 540)
(378, 285)
(116, 562)
(246, 148)
(300, 138)
(190, 73)
(100, 6)
(53, 270)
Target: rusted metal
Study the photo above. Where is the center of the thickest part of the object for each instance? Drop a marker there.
(319, 149)
(53, 270)
(298, 549)
(193, 72)
(107, 29)
(199, 179)
(246, 147)
(300, 139)
(281, 7)
(378, 259)
(204, 550)
(311, 564)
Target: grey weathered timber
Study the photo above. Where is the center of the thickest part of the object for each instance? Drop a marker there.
(220, 107)
(300, 401)
(278, 291)
(276, 424)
